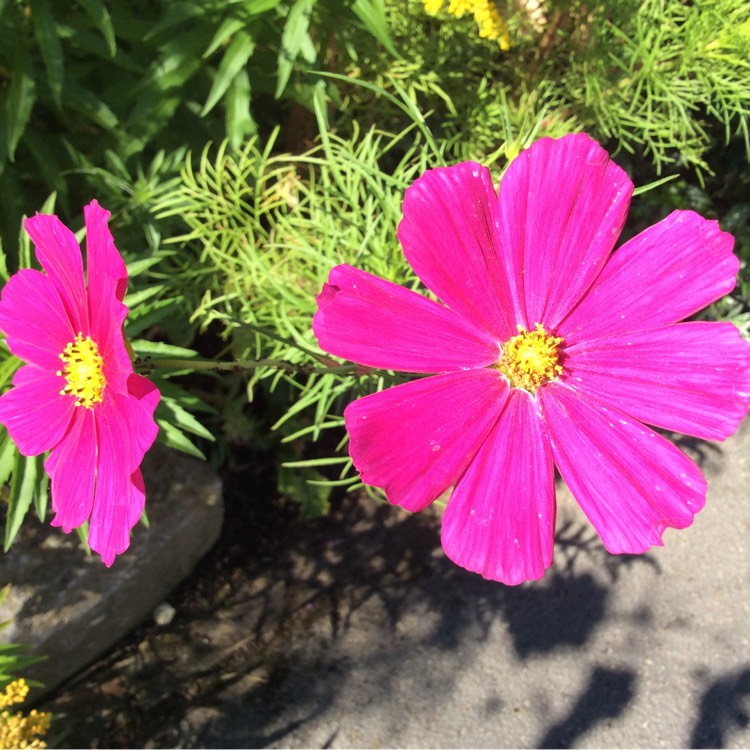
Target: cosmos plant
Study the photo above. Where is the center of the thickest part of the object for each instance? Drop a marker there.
(78, 396)
(546, 349)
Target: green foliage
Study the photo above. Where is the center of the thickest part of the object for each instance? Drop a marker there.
(275, 223)
(658, 78)
(27, 482)
(307, 486)
(13, 656)
(264, 230)
(87, 83)
(324, 111)
(130, 192)
(176, 411)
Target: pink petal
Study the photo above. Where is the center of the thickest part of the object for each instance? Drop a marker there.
(448, 234)
(118, 367)
(130, 416)
(58, 251)
(500, 520)
(630, 482)
(109, 531)
(105, 267)
(34, 319)
(72, 468)
(415, 439)
(688, 377)
(140, 406)
(126, 430)
(562, 206)
(137, 497)
(107, 282)
(663, 275)
(379, 324)
(118, 503)
(33, 411)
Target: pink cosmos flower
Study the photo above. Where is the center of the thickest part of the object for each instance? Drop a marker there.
(548, 350)
(78, 396)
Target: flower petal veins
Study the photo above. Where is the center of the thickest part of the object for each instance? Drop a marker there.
(107, 280)
(663, 275)
(60, 257)
(591, 350)
(117, 504)
(380, 324)
(438, 424)
(500, 519)
(33, 412)
(72, 467)
(448, 234)
(630, 482)
(686, 377)
(37, 339)
(562, 205)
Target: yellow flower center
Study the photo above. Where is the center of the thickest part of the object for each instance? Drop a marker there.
(530, 359)
(84, 379)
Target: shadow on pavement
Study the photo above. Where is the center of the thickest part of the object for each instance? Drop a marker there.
(606, 696)
(255, 652)
(724, 707)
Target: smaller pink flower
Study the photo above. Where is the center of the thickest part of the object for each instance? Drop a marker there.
(78, 396)
(546, 350)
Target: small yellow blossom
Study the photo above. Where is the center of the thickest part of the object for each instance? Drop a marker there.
(15, 692)
(16, 729)
(488, 18)
(458, 8)
(491, 23)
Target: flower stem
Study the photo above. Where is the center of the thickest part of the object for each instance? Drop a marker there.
(146, 365)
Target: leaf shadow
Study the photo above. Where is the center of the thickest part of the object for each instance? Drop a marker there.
(724, 708)
(606, 696)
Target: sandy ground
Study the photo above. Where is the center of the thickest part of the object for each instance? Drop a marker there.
(355, 631)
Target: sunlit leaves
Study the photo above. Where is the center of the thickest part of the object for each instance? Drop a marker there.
(263, 230)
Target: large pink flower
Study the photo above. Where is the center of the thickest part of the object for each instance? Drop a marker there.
(548, 350)
(78, 396)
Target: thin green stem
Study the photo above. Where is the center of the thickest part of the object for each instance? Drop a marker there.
(147, 365)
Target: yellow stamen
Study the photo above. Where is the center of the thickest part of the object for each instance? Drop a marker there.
(83, 371)
(530, 359)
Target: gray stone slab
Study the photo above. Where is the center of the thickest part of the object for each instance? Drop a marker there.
(70, 607)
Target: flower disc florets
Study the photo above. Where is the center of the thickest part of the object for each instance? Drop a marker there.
(530, 359)
(83, 372)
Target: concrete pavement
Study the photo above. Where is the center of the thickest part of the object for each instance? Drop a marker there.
(399, 648)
